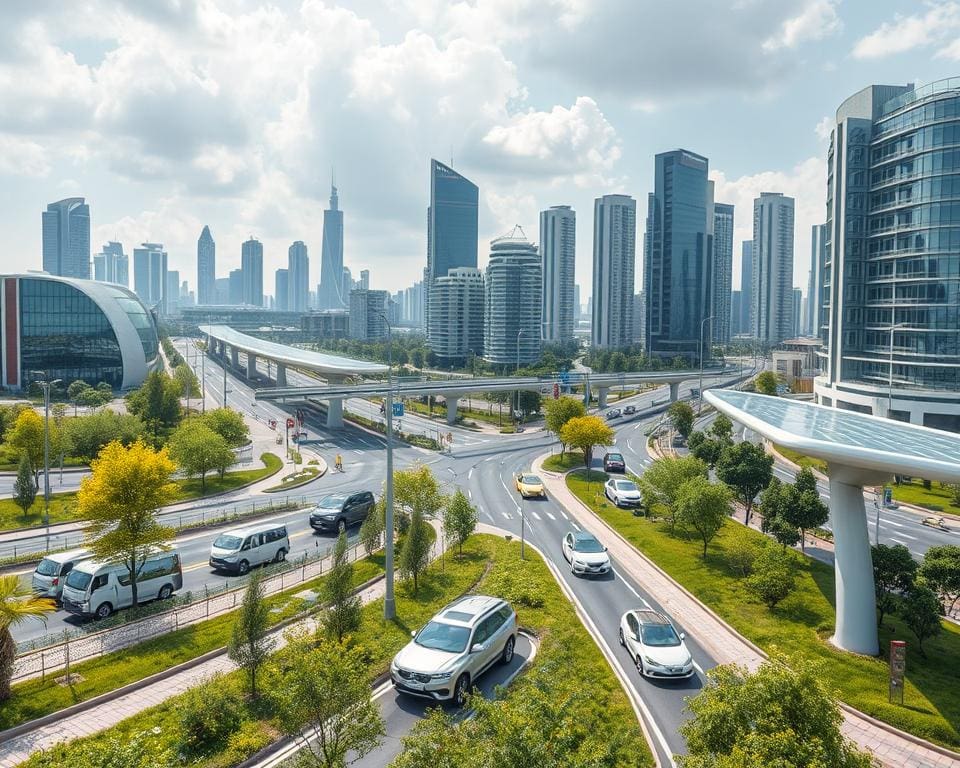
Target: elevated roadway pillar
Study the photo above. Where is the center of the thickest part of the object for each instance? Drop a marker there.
(281, 375)
(235, 357)
(251, 365)
(451, 408)
(335, 405)
(602, 397)
(674, 392)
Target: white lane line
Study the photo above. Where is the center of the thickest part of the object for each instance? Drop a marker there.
(506, 515)
(550, 515)
(359, 453)
(894, 538)
(470, 493)
(492, 520)
(535, 515)
(906, 536)
(630, 587)
(564, 515)
(470, 473)
(575, 525)
(887, 521)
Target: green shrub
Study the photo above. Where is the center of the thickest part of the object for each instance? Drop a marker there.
(209, 715)
(249, 739)
(773, 578)
(517, 585)
(742, 551)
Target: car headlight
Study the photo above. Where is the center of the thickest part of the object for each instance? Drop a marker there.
(441, 676)
(230, 559)
(652, 662)
(329, 517)
(579, 563)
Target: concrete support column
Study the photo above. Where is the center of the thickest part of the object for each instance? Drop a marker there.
(335, 413)
(451, 408)
(602, 397)
(281, 375)
(251, 365)
(235, 357)
(856, 623)
(674, 392)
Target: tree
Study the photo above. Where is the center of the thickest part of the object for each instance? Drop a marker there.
(229, 424)
(894, 570)
(585, 432)
(784, 714)
(76, 391)
(703, 506)
(681, 418)
(766, 383)
(921, 609)
(372, 527)
(530, 401)
(747, 469)
(459, 518)
(722, 428)
(415, 554)
(806, 509)
(24, 488)
(187, 379)
(249, 643)
(558, 412)
(157, 401)
(322, 699)
(343, 607)
(17, 604)
(707, 449)
(88, 434)
(772, 577)
(940, 570)
(663, 479)
(416, 490)
(774, 503)
(197, 449)
(26, 435)
(120, 498)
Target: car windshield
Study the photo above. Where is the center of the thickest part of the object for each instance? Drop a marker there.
(226, 541)
(661, 635)
(48, 567)
(78, 580)
(443, 637)
(614, 457)
(626, 485)
(530, 480)
(587, 545)
(333, 501)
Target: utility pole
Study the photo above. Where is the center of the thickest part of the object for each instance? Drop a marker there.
(700, 388)
(389, 602)
(46, 454)
(517, 372)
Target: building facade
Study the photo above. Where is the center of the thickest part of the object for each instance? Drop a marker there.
(746, 287)
(818, 256)
(796, 311)
(251, 267)
(558, 235)
(614, 262)
(369, 312)
(111, 265)
(330, 293)
(735, 310)
(172, 292)
(326, 324)
(364, 279)
(150, 275)
(281, 294)
(772, 312)
(298, 268)
(512, 306)
(456, 315)
(206, 267)
(722, 271)
(66, 238)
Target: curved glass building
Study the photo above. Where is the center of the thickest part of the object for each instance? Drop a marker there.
(890, 303)
(69, 329)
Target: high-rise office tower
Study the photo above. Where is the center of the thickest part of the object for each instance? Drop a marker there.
(891, 276)
(298, 267)
(722, 271)
(577, 306)
(173, 291)
(678, 250)
(735, 297)
(346, 283)
(614, 261)
(236, 287)
(558, 235)
(451, 225)
(251, 265)
(818, 256)
(456, 315)
(66, 238)
(365, 279)
(330, 292)
(369, 312)
(772, 267)
(281, 292)
(150, 275)
(111, 265)
(797, 312)
(413, 305)
(639, 317)
(746, 287)
(206, 267)
(514, 284)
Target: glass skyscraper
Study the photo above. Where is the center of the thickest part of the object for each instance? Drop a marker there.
(251, 265)
(298, 266)
(773, 217)
(614, 265)
(722, 271)
(66, 238)
(746, 287)
(514, 284)
(330, 291)
(891, 276)
(206, 267)
(558, 235)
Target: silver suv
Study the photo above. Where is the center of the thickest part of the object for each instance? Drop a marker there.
(455, 647)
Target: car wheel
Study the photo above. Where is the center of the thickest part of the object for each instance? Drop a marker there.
(165, 592)
(243, 566)
(341, 526)
(281, 556)
(460, 690)
(507, 656)
(639, 664)
(622, 641)
(104, 610)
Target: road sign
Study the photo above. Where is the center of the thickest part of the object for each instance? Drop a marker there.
(888, 497)
(398, 410)
(564, 377)
(898, 669)
(291, 423)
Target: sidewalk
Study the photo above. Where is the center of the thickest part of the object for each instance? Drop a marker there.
(892, 748)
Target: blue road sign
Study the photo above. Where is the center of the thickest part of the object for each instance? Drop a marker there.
(397, 410)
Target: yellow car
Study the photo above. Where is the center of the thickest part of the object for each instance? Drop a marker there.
(529, 485)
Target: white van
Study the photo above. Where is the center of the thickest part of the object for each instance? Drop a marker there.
(52, 571)
(98, 589)
(236, 551)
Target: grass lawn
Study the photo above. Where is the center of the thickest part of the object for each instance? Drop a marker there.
(804, 461)
(61, 510)
(569, 460)
(936, 499)
(803, 623)
(489, 564)
(294, 480)
(190, 488)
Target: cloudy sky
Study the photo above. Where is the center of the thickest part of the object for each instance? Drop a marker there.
(171, 114)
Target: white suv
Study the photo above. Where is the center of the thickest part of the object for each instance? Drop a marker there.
(455, 647)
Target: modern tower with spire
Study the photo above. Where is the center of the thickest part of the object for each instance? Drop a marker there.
(330, 293)
(206, 268)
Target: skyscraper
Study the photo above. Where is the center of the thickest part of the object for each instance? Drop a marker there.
(150, 275)
(558, 235)
(746, 287)
(365, 279)
(818, 257)
(66, 238)
(369, 311)
(451, 225)
(251, 265)
(236, 287)
(330, 293)
(456, 309)
(678, 251)
(772, 267)
(796, 307)
(298, 267)
(512, 319)
(206, 267)
(281, 293)
(639, 317)
(722, 271)
(577, 306)
(173, 292)
(346, 283)
(614, 261)
(735, 297)
(111, 265)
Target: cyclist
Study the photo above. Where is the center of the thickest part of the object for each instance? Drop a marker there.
(338, 463)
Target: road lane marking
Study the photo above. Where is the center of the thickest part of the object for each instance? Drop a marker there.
(550, 515)
(906, 536)
(535, 515)
(506, 515)
(575, 525)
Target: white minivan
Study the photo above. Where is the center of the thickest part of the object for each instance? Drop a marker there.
(51, 572)
(236, 551)
(98, 589)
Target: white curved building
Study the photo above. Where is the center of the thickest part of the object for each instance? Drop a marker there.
(68, 329)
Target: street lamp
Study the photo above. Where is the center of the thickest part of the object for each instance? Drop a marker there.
(700, 389)
(389, 603)
(890, 375)
(46, 453)
(517, 372)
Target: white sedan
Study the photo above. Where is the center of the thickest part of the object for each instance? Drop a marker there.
(654, 645)
(622, 492)
(586, 555)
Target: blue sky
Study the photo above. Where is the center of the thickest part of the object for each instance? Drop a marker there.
(173, 114)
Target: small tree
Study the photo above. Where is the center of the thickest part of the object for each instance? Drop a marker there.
(681, 418)
(940, 570)
(249, 644)
(415, 554)
(707, 449)
(417, 489)
(747, 469)
(24, 489)
(774, 502)
(921, 610)
(663, 479)
(703, 506)
(585, 432)
(767, 383)
(459, 519)
(76, 391)
(17, 604)
(26, 435)
(157, 401)
(806, 510)
(343, 607)
(772, 577)
(197, 449)
(229, 424)
(558, 412)
(185, 377)
(894, 570)
(722, 428)
(372, 527)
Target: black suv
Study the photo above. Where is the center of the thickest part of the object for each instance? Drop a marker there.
(338, 510)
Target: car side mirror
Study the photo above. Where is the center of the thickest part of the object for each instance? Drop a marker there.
(478, 648)
(413, 633)
(604, 549)
(683, 635)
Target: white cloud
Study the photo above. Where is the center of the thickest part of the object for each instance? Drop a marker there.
(21, 157)
(824, 128)
(904, 33)
(816, 20)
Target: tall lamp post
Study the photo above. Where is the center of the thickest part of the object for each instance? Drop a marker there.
(389, 602)
(46, 453)
(890, 373)
(700, 389)
(517, 371)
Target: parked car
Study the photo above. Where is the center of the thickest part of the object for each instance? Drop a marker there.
(51, 572)
(455, 647)
(613, 462)
(654, 645)
(237, 550)
(529, 485)
(338, 510)
(622, 492)
(613, 413)
(586, 555)
(94, 588)
(629, 410)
